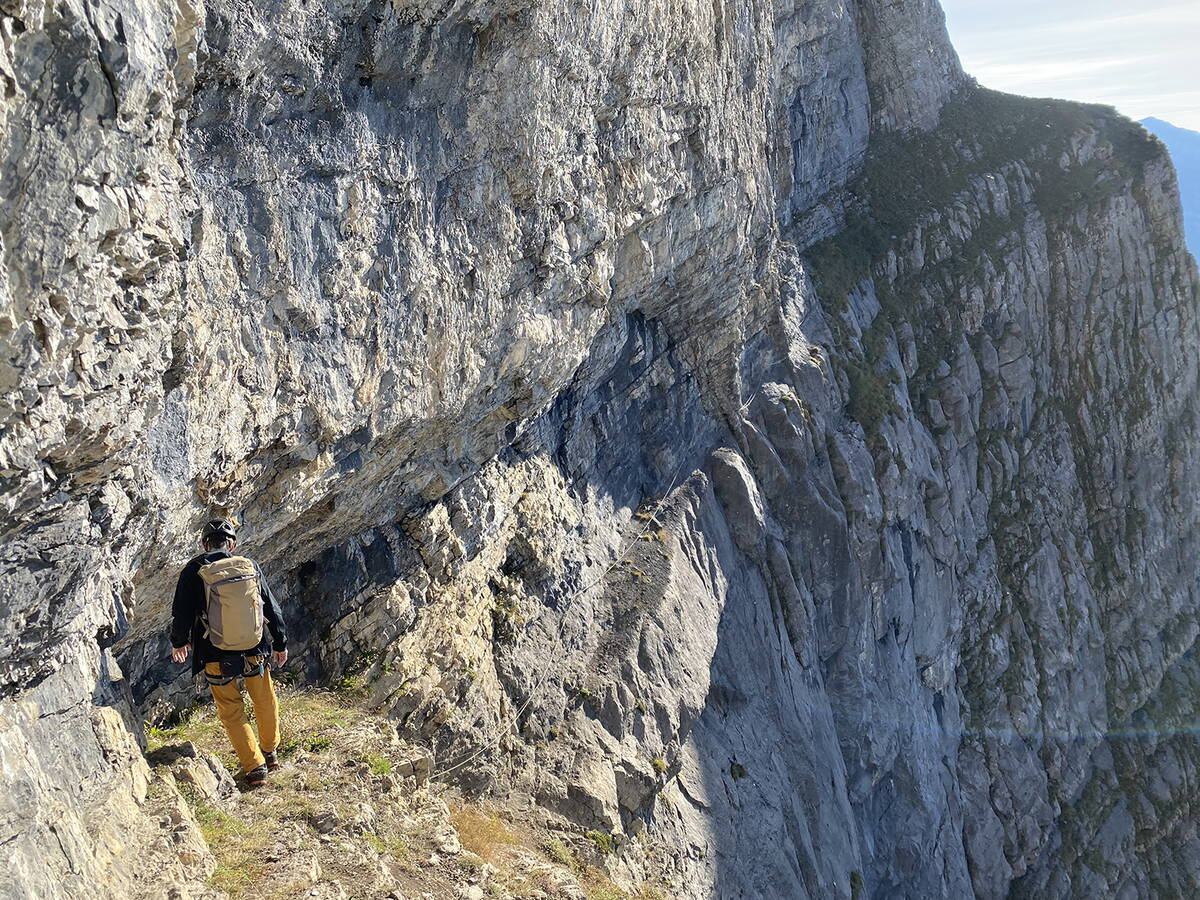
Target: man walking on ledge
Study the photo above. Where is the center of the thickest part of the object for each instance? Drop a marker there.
(221, 605)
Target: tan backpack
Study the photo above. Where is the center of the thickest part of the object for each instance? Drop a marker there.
(233, 603)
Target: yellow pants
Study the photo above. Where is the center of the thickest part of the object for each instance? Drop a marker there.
(232, 711)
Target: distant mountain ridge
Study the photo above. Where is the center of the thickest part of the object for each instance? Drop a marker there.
(1185, 151)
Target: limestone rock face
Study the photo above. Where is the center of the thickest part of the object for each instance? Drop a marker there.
(722, 423)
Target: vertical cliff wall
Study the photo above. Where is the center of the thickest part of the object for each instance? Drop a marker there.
(723, 423)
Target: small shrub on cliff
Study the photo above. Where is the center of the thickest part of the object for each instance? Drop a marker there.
(506, 618)
(562, 854)
(603, 841)
(380, 765)
(351, 687)
(872, 397)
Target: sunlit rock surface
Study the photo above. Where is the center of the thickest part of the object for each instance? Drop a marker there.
(721, 423)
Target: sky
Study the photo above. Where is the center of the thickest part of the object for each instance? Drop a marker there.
(1141, 56)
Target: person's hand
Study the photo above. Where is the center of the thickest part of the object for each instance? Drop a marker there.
(179, 654)
(279, 657)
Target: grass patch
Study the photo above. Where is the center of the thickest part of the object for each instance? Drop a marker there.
(310, 719)
(157, 738)
(393, 845)
(484, 834)
(241, 836)
(353, 687)
(198, 724)
(602, 840)
(307, 719)
(659, 764)
(560, 853)
(379, 765)
(598, 886)
(607, 891)
(315, 743)
(238, 848)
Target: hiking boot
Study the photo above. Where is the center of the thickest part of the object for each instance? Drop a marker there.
(272, 760)
(257, 776)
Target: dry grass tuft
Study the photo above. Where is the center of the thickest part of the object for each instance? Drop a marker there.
(484, 834)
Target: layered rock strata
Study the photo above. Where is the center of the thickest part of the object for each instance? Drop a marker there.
(722, 423)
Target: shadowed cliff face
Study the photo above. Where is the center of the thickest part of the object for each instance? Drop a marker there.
(720, 423)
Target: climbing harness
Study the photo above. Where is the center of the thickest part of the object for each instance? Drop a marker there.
(245, 668)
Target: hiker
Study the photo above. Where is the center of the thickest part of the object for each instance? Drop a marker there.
(221, 602)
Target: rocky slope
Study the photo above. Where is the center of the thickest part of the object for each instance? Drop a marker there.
(352, 813)
(717, 422)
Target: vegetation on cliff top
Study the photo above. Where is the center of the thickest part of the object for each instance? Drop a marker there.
(909, 178)
(906, 177)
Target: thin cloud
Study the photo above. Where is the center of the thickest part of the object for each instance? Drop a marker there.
(1144, 61)
(1051, 31)
(1170, 16)
(1041, 72)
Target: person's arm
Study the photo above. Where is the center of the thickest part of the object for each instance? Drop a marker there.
(274, 618)
(183, 615)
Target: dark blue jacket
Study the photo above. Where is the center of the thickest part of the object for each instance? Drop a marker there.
(190, 603)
